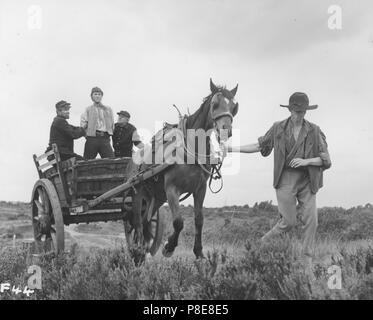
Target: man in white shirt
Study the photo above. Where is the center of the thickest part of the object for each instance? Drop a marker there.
(98, 121)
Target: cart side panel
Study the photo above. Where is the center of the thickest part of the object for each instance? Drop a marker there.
(55, 179)
(67, 167)
(95, 177)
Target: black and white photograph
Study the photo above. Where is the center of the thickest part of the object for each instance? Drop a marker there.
(186, 153)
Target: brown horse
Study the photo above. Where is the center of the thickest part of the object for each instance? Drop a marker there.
(216, 112)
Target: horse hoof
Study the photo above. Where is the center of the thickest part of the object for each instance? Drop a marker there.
(165, 252)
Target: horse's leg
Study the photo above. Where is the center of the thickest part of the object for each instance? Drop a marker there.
(178, 222)
(199, 196)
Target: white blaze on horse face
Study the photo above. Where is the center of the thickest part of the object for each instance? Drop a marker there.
(221, 112)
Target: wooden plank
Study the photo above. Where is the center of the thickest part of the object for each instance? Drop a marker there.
(151, 207)
(97, 187)
(74, 184)
(94, 192)
(103, 171)
(47, 164)
(94, 162)
(47, 154)
(68, 174)
(93, 217)
(57, 183)
(101, 210)
(130, 183)
(37, 166)
(61, 173)
(101, 177)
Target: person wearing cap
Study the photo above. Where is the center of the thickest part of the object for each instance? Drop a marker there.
(64, 134)
(98, 121)
(300, 157)
(125, 136)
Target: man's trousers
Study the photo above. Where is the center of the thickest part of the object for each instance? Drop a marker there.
(294, 187)
(98, 145)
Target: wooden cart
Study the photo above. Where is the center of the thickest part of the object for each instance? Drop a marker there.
(71, 192)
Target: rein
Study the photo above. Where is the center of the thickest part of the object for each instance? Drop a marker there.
(216, 175)
(214, 172)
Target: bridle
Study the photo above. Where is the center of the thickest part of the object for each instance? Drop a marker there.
(215, 172)
(222, 114)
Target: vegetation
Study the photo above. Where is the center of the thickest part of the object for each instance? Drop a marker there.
(237, 266)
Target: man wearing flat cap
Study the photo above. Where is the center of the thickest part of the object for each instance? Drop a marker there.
(64, 134)
(300, 157)
(125, 136)
(98, 121)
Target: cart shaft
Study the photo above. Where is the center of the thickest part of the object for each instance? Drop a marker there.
(127, 185)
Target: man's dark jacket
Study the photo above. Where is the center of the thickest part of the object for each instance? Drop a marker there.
(63, 135)
(122, 139)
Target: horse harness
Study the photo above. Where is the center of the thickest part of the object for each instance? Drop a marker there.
(215, 172)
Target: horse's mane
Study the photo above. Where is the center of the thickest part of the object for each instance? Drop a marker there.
(200, 113)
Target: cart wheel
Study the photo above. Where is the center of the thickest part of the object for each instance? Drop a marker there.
(128, 225)
(47, 219)
(129, 232)
(152, 230)
(155, 229)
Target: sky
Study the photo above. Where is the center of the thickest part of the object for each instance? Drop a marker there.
(149, 55)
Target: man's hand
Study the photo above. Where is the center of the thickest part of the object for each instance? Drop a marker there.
(298, 162)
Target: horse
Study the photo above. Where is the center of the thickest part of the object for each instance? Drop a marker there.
(215, 113)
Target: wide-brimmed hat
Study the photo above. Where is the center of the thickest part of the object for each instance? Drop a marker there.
(96, 89)
(124, 114)
(62, 104)
(299, 101)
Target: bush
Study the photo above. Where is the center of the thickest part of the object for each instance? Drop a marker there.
(275, 270)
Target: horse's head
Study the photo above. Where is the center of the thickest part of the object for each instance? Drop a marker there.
(223, 109)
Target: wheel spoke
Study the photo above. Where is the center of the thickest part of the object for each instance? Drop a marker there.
(48, 243)
(53, 247)
(39, 245)
(41, 195)
(39, 206)
(128, 227)
(47, 216)
(38, 236)
(46, 203)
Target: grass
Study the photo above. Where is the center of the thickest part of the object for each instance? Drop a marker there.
(237, 266)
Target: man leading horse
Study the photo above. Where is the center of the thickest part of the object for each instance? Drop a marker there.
(300, 157)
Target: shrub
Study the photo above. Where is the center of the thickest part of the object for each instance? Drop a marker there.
(275, 270)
